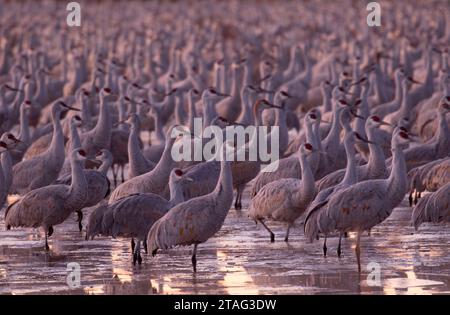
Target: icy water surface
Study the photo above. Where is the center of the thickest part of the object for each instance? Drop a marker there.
(238, 260)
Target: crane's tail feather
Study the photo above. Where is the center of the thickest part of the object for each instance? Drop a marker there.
(420, 213)
(310, 226)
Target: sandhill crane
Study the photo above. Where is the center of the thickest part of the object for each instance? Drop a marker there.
(133, 216)
(205, 175)
(50, 205)
(434, 207)
(438, 147)
(6, 159)
(154, 181)
(230, 108)
(430, 177)
(99, 137)
(156, 149)
(390, 107)
(3, 186)
(350, 178)
(289, 167)
(44, 168)
(365, 204)
(138, 164)
(375, 167)
(438, 175)
(98, 183)
(285, 199)
(42, 137)
(194, 221)
(24, 134)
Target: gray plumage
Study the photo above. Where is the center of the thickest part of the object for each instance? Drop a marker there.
(43, 169)
(434, 207)
(194, 221)
(365, 204)
(285, 199)
(51, 205)
(154, 181)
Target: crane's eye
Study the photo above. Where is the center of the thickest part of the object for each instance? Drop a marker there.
(82, 152)
(404, 135)
(308, 146)
(178, 172)
(376, 118)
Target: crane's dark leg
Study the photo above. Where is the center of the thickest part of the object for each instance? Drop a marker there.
(272, 236)
(286, 238)
(47, 248)
(325, 247)
(238, 203)
(137, 253)
(145, 246)
(410, 198)
(138, 250)
(339, 246)
(133, 245)
(80, 219)
(194, 258)
(358, 250)
(122, 169)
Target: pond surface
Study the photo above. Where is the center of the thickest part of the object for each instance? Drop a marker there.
(238, 260)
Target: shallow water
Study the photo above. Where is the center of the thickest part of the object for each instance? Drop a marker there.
(238, 260)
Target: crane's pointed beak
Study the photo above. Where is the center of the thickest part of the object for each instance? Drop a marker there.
(95, 161)
(69, 107)
(356, 115)
(364, 140)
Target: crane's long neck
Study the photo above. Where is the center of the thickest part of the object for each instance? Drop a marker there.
(209, 112)
(75, 141)
(159, 133)
(308, 187)
(56, 148)
(326, 97)
(223, 193)
(78, 188)
(404, 107)
(246, 113)
(165, 163)
(24, 131)
(102, 131)
(333, 136)
(397, 181)
(106, 164)
(376, 154)
(235, 89)
(350, 176)
(135, 156)
(398, 90)
(176, 193)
